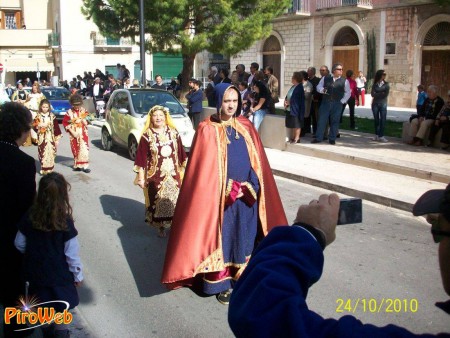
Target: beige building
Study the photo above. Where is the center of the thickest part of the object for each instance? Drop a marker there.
(412, 39)
(52, 39)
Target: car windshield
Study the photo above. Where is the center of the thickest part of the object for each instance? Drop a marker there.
(144, 100)
(56, 93)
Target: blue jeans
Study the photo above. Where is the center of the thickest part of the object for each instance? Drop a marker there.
(258, 117)
(329, 110)
(379, 111)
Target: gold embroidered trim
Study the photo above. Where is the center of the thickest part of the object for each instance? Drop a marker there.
(228, 189)
(250, 189)
(212, 263)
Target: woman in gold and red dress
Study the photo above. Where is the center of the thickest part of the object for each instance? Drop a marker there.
(75, 123)
(159, 164)
(48, 135)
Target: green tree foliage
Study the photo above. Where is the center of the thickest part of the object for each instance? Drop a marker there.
(188, 26)
(443, 2)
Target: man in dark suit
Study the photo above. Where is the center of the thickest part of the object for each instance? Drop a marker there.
(9, 90)
(18, 188)
(195, 100)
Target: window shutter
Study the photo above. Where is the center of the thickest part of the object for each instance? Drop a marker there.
(2, 20)
(18, 20)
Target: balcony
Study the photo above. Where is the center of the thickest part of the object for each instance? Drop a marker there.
(335, 4)
(24, 37)
(53, 40)
(299, 7)
(105, 44)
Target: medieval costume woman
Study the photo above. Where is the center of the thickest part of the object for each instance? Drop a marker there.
(159, 164)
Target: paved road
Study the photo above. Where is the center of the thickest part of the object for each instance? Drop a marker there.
(391, 255)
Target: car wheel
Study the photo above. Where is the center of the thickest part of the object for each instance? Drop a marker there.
(106, 140)
(132, 147)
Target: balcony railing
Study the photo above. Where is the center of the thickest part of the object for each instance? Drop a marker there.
(113, 42)
(328, 4)
(53, 40)
(299, 7)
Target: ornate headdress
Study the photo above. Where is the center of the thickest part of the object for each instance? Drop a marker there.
(165, 110)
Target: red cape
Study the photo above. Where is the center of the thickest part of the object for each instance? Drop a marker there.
(195, 239)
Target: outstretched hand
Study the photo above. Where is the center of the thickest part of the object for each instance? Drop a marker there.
(321, 214)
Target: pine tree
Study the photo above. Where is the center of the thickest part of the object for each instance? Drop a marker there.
(188, 26)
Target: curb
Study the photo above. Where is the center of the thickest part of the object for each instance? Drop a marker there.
(386, 201)
(371, 163)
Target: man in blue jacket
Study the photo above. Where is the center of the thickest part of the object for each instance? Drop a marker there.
(269, 299)
(194, 101)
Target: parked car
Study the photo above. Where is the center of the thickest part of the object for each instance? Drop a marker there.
(126, 113)
(59, 100)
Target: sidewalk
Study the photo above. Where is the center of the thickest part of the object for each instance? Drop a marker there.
(393, 174)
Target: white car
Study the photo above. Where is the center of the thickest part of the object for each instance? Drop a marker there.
(126, 113)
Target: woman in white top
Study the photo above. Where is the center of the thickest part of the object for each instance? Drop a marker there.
(360, 84)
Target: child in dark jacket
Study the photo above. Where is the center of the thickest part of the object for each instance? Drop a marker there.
(48, 239)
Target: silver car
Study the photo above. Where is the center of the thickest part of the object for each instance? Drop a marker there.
(126, 113)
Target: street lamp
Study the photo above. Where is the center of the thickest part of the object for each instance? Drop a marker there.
(142, 38)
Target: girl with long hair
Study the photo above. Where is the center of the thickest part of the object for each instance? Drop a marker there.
(48, 135)
(48, 239)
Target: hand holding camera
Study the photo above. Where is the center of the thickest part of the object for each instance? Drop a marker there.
(322, 214)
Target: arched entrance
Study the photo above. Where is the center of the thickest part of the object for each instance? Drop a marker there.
(272, 55)
(346, 49)
(436, 58)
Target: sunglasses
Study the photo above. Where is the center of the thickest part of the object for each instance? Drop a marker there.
(436, 231)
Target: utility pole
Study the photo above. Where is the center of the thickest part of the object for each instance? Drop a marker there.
(142, 38)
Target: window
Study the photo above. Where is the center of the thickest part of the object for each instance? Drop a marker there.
(11, 20)
(390, 48)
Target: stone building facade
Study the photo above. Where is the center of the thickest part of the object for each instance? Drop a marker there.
(412, 42)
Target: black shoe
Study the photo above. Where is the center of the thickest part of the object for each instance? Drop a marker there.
(87, 170)
(332, 142)
(338, 135)
(77, 169)
(325, 138)
(315, 141)
(224, 297)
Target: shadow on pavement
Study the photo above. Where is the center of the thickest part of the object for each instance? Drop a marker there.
(116, 149)
(143, 249)
(64, 160)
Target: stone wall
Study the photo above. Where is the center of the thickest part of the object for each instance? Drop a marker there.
(304, 43)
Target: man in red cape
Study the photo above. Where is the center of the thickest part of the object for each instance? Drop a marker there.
(200, 233)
